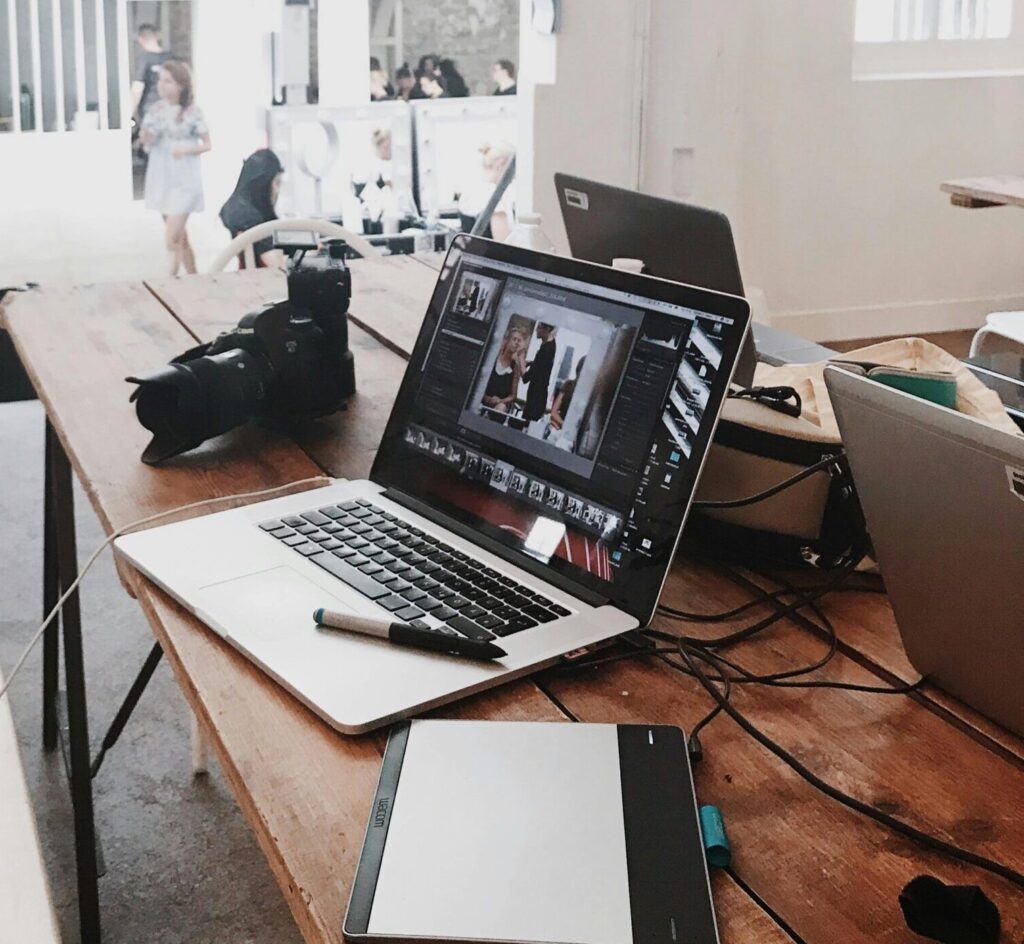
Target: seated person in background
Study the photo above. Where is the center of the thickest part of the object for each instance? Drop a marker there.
(503, 384)
(452, 79)
(431, 85)
(381, 89)
(381, 170)
(472, 201)
(426, 66)
(560, 408)
(405, 82)
(252, 203)
(504, 74)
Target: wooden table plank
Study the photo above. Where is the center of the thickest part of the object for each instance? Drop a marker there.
(77, 346)
(303, 788)
(831, 874)
(977, 192)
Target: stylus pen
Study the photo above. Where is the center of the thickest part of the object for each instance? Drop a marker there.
(403, 634)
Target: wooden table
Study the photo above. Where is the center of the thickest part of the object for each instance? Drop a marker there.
(804, 868)
(979, 192)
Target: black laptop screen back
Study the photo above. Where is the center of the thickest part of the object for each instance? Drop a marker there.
(676, 241)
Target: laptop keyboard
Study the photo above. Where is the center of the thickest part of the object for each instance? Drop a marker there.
(414, 575)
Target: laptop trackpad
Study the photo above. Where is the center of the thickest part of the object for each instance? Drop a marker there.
(272, 604)
(353, 681)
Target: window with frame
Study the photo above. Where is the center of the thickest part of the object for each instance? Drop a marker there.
(934, 38)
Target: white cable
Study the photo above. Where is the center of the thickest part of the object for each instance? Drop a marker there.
(319, 480)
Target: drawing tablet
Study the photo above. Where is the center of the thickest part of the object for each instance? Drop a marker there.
(533, 832)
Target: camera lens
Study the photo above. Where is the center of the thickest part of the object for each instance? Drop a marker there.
(183, 405)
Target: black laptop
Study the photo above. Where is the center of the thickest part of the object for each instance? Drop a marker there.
(676, 241)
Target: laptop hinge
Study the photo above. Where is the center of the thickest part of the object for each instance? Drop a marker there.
(498, 549)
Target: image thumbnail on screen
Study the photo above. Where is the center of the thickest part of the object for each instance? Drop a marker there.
(549, 375)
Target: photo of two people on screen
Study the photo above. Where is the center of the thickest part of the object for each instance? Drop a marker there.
(548, 376)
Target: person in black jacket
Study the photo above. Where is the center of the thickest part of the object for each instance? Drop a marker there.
(454, 83)
(538, 374)
(252, 203)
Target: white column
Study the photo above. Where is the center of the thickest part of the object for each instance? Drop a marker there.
(37, 65)
(12, 52)
(586, 123)
(343, 51)
(76, 7)
(124, 79)
(102, 95)
(537, 66)
(58, 65)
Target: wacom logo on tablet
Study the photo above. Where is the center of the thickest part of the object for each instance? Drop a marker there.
(380, 814)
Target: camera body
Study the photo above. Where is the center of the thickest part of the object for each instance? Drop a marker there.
(289, 361)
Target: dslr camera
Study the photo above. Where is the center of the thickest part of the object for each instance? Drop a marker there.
(289, 361)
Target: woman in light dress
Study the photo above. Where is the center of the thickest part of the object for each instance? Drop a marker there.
(175, 134)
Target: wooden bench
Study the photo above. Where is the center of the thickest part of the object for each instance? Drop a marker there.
(804, 867)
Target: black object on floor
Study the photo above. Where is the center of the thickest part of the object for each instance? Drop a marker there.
(952, 914)
(14, 382)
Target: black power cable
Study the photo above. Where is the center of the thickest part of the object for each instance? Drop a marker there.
(828, 462)
(690, 653)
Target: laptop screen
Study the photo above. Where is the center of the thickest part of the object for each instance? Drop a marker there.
(563, 410)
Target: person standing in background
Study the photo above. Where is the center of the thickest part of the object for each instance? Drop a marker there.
(504, 74)
(175, 134)
(537, 375)
(147, 70)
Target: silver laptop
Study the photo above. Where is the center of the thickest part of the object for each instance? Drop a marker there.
(943, 495)
(530, 487)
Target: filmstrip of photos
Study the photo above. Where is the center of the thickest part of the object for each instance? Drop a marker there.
(691, 388)
(505, 477)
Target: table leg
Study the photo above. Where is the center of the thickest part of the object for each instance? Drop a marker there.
(200, 747)
(74, 672)
(51, 636)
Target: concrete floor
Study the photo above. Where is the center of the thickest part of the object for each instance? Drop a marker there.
(181, 863)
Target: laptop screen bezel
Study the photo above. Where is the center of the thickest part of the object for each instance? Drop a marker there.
(388, 466)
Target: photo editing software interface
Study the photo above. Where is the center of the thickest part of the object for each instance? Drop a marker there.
(559, 417)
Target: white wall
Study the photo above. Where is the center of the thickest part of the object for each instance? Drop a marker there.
(832, 185)
(587, 121)
(231, 61)
(343, 46)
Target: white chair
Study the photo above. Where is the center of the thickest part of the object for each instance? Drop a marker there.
(242, 244)
(1004, 324)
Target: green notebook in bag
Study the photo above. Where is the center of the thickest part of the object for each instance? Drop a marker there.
(938, 386)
